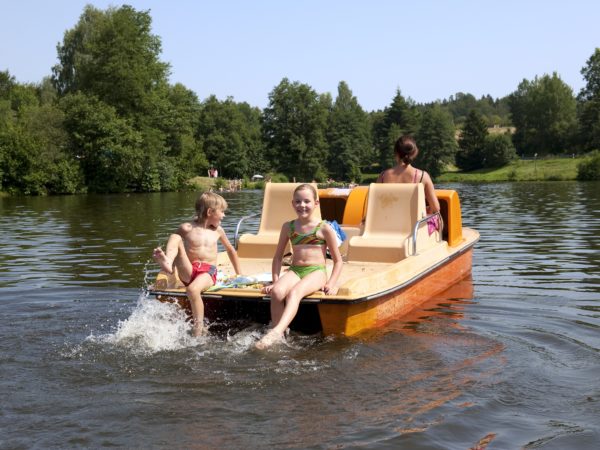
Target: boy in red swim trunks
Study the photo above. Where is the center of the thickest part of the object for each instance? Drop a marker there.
(193, 251)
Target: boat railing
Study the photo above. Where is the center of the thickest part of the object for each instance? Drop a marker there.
(425, 219)
(237, 228)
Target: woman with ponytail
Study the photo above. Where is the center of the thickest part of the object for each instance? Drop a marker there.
(405, 152)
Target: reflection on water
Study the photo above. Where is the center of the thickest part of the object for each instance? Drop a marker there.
(508, 358)
(96, 240)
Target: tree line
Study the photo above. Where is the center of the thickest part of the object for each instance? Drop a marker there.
(108, 120)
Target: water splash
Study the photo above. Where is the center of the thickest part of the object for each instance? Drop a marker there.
(152, 327)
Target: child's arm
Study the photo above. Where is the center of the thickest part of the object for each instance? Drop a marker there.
(278, 257)
(233, 257)
(331, 287)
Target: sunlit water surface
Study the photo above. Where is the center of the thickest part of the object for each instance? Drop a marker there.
(509, 359)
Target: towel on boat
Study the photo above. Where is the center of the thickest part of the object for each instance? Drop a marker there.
(433, 224)
(339, 233)
(251, 281)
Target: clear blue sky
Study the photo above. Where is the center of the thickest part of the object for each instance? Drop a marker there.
(243, 48)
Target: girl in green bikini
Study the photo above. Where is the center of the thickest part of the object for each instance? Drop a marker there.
(310, 237)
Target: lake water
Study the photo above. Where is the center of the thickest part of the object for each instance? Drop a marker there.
(509, 359)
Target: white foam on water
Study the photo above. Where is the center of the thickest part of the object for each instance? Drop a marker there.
(152, 327)
(245, 339)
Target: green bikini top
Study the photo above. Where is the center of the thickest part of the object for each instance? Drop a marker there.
(309, 238)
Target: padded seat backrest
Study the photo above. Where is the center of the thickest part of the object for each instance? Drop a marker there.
(277, 209)
(393, 209)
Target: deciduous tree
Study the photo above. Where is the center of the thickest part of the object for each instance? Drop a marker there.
(498, 150)
(113, 55)
(107, 147)
(231, 137)
(588, 106)
(544, 114)
(294, 127)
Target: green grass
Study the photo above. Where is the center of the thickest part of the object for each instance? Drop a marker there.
(558, 169)
(206, 183)
(201, 183)
(555, 169)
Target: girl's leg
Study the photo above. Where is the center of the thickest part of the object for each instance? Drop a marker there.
(193, 291)
(279, 293)
(307, 285)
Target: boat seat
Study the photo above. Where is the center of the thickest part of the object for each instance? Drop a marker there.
(350, 233)
(393, 209)
(277, 208)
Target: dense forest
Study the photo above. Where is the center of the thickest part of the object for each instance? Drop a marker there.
(108, 120)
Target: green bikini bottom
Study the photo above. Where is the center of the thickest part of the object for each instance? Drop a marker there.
(302, 271)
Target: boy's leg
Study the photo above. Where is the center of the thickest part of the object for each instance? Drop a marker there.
(174, 256)
(193, 291)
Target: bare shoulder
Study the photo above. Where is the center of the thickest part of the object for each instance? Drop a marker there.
(384, 173)
(426, 178)
(185, 228)
(326, 226)
(326, 229)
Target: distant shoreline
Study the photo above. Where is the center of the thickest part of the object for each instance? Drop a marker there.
(554, 169)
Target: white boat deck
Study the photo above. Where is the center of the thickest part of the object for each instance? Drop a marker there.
(358, 279)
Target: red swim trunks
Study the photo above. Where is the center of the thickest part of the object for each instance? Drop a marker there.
(198, 268)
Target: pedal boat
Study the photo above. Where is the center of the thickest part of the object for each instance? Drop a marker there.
(392, 264)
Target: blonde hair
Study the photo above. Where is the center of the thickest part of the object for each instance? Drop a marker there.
(206, 201)
(307, 187)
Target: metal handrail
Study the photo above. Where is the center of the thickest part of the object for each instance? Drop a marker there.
(419, 222)
(237, 228)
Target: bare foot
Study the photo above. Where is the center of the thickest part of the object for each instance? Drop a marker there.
(199, 331)
(269, 339)
(161, 258)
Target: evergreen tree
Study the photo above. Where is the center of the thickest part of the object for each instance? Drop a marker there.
(348, 136)
(401, 117)
(471, 142)
(461, 104)
(436, 141)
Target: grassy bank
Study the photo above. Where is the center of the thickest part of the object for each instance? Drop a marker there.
(201, 183)
(559, 169)
(217, 184)
(556, 169)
